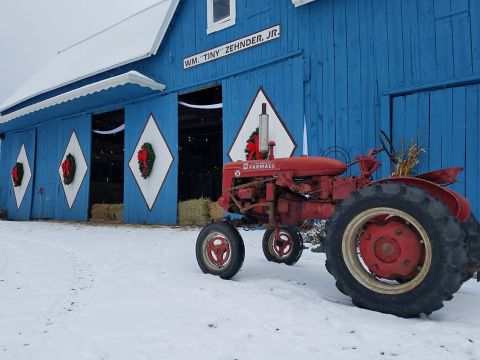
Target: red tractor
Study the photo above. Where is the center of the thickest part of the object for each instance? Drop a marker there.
(400, 245)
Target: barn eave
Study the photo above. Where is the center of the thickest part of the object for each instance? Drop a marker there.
(124, 87)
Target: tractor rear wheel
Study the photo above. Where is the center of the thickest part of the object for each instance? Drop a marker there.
(284, 246)
(472, 244)
(395, 249)
(220, 250)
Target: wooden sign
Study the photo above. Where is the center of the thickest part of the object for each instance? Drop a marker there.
(244, 43)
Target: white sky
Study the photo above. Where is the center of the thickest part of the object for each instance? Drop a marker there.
(32, 31)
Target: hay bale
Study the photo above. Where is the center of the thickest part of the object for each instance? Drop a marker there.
(116, 213)
(99, 212)
(215, 211)
(194, 212)
(112, 213)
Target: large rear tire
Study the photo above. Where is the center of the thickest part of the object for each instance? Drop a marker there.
(220, 250)
(472, 244)
(395, 249)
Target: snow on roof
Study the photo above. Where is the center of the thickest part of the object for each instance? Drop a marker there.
(134, 38)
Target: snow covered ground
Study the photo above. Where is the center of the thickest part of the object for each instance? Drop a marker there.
(94, 292)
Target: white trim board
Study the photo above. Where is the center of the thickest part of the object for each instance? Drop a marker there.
(213, 26)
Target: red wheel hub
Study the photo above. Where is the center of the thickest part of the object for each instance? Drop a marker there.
(218, 250)
(391, 250)
(387, 249)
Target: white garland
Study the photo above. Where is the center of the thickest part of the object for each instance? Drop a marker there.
(204, 107)
(109, 132)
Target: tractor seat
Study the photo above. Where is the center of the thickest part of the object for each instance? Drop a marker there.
(311, 166)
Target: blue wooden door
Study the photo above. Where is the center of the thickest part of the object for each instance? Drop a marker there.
(446, 123)
(164, 110)
(19, 200)
(49, 200)
(46, 173)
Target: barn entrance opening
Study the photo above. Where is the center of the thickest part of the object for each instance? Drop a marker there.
(107, 163)
(200, 145)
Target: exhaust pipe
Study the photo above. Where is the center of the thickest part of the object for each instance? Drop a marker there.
(263, 132)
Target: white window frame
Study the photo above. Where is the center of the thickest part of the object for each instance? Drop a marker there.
(221, 24)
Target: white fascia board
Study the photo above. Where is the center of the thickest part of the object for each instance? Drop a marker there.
(131, 77)
(301, 2)
(164, 27)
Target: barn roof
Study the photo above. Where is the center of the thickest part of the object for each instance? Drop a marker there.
(134, 38)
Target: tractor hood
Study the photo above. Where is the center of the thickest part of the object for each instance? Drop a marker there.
(300, 166)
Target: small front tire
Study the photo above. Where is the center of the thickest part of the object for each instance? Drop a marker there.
(286, 249)
(220, 250)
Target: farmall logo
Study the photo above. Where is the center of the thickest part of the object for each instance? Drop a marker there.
(258, 166)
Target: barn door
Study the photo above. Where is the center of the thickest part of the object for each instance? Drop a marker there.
(51, 197)
(446, 123)
(280, 88)
(20, 149)
(46, 164)
(151, 199)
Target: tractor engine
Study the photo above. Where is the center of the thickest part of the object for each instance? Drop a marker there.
(285, 191)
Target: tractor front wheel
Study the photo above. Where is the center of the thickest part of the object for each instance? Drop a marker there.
(283, 245)
(220, 250)
(395, 249)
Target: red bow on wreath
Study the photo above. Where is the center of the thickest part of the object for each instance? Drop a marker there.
(143, 157)
(15, 176)
(66, 168)
(252, 148)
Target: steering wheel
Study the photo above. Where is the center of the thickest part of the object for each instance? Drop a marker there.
(390, 149)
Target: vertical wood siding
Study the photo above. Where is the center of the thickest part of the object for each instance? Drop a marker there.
(11, 146)
(164, 211)
(45, 146)
(446, 123)
(52, 140)
(283, 84)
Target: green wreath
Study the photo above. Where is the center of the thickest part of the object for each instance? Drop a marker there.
(17, 174)
(251, 150)
(68, 169)
(146, 158)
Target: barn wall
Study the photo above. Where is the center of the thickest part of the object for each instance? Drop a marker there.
(11, 146)
(283, 84)
(45, 146)
(358, 55)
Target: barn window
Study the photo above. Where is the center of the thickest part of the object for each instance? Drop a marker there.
(220, 14)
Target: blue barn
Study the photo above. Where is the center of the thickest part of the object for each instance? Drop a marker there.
(187, 80)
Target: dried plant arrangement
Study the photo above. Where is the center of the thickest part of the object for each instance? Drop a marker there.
(408, 158)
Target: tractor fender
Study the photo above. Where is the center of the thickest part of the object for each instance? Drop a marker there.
(459, 205)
